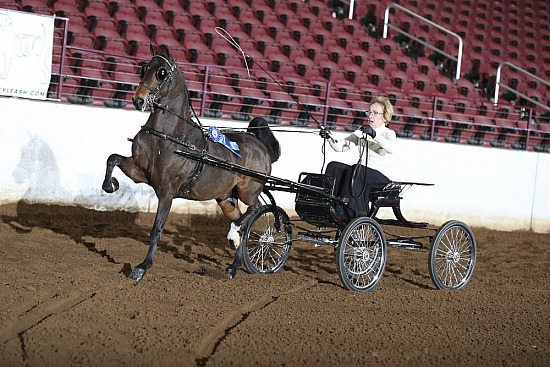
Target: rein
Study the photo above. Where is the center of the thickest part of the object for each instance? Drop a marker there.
(166, 109)
(153, 96)
(172, 139)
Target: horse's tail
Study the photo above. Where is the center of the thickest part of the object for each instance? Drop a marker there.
(260, 128)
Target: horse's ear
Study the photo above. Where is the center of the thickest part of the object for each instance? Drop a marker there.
(152, 49)
(163, 49)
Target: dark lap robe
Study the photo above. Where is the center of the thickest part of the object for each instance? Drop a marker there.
(354, 184)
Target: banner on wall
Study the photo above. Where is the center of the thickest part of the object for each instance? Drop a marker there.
(26, 42)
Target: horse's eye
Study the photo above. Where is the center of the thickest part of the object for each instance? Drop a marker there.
(161, 74)
(142, 71)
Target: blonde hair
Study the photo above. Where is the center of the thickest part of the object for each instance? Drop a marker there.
(388, 108)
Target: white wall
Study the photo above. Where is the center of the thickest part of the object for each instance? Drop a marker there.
(56, 153)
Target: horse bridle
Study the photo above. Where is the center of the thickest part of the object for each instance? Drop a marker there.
(153, 95)
(163, 81)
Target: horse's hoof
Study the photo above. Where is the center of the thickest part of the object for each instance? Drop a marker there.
(137, 274)
(230, 272)
(111, 186)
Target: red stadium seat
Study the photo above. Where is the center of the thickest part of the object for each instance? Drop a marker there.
(68, 9)
(155, 18)
(316, 52)
(97, 9)
(136, 38)
(171, 5)
(331, 71)
(297, 85)
(116, 46)
(198, 8)
(126, 70)
(279, 63)
(306, 67)
(291, 48)
(309, 106)
(201, 57)
(13, 6)
(103, 34)
(167, 35)
(336, 110)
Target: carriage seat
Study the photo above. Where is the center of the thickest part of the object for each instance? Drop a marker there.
(320, 207)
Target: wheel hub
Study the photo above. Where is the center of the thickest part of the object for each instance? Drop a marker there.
(266, 239)
(363, 254)
(453, 257)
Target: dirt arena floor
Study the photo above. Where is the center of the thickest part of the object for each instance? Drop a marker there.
(66, 300)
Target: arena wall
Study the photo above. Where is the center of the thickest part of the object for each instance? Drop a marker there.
(55, 153)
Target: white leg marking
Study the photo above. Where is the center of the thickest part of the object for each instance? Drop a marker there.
(233, 235)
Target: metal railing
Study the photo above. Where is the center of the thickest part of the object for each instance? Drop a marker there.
(526, 97)
(387, 25)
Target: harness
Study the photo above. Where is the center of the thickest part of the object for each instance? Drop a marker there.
(198, 169)
(151, 103)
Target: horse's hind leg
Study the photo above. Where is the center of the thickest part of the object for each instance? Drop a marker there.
(234, 237)
(126, 165)
(231, 211)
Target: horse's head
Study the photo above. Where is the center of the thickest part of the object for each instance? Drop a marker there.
(157, 78)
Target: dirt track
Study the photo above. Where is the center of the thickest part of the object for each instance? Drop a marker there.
(66, 300)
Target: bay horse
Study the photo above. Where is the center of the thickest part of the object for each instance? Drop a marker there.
(163, 92)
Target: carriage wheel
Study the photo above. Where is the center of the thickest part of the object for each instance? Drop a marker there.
(452, 256)
(361, 254)
(266, 244)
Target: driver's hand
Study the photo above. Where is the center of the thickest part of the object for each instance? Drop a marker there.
(325, 134)
(367, 129)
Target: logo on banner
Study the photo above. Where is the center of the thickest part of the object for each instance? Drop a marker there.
(25, 54)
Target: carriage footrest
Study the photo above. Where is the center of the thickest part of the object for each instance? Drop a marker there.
(400, 223)
(315, 234)
(318, 238)
(407, 244)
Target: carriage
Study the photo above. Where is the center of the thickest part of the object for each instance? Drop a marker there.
(360, 243)
(175, 156)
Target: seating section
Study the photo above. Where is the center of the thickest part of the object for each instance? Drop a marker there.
(309, 64)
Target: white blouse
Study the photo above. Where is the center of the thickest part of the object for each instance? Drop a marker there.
(378, 148)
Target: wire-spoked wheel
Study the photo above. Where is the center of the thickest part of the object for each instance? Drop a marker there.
(361, 254)
(267, 241)
(452, 256)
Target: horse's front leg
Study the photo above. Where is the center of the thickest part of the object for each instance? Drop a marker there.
(160, 220)
(127, 166)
